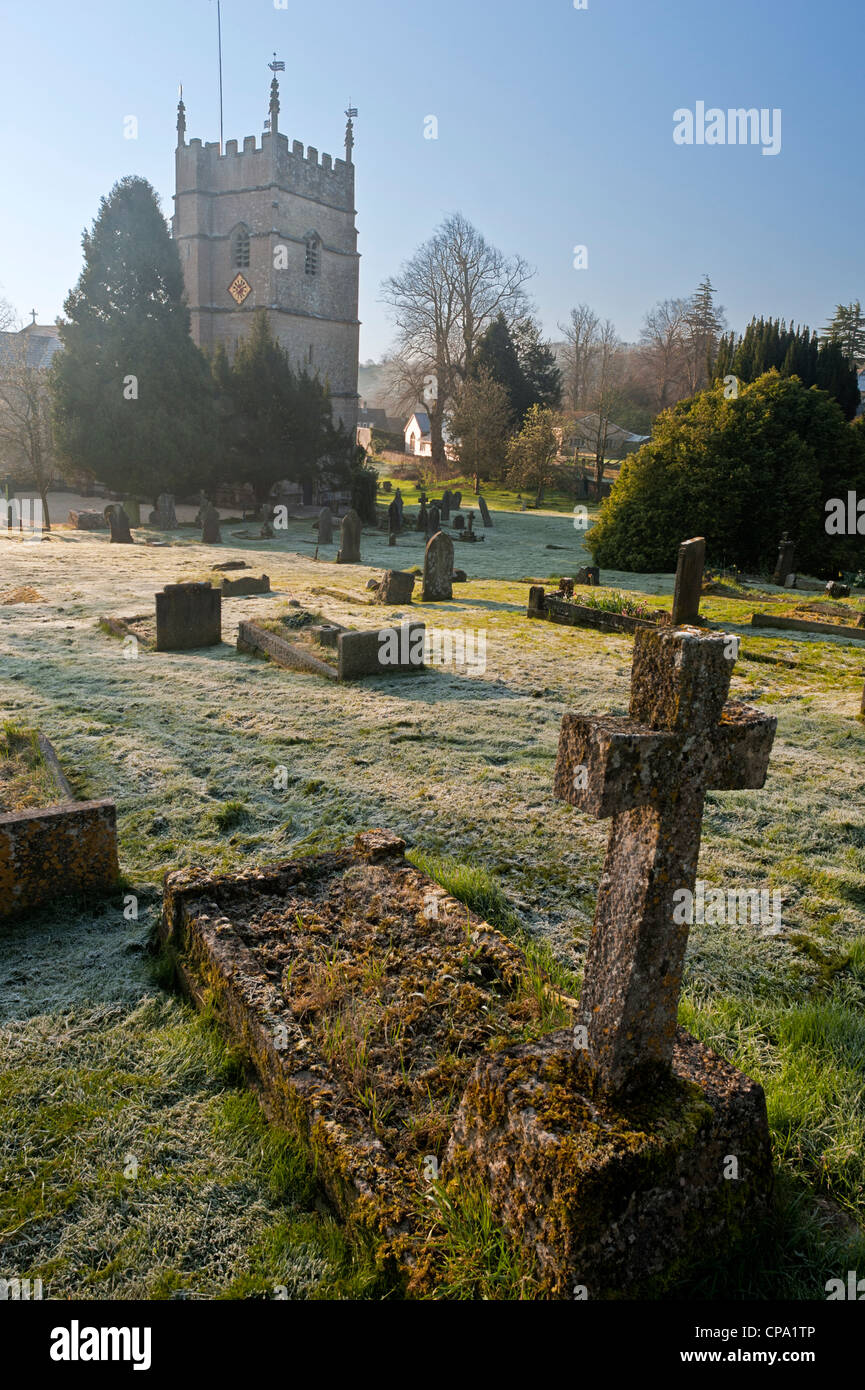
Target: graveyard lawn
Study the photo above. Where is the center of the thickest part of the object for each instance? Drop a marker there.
(26, 781)
(225, 761)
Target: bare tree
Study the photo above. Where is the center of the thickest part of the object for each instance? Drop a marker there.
(663, 349)
(581, 337)
(443, 299)
(26, 438)
(603, 395)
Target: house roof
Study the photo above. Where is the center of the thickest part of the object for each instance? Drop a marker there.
(41, 346)
(422, 419)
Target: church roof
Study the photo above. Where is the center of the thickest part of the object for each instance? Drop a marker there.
(41, 344)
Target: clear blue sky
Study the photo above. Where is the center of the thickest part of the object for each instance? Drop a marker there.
(555, 129)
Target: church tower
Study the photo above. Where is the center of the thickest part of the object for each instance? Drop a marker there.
(271, 226)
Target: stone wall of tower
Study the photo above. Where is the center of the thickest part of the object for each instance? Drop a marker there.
(282, 195)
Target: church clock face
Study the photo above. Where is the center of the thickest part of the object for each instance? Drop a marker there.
(239, 289)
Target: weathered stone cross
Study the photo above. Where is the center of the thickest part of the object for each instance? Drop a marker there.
(651, 772)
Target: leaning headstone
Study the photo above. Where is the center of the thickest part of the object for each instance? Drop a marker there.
(395, 587)
(393, 521)
(210, 533)
(689, 582)
(118, 521)
(325, 527)
(784, 565)
(485, 512)
(164, 517)
(188, 616)
(606, 1148)
(349, 548)
(438, 568)
(422, 523)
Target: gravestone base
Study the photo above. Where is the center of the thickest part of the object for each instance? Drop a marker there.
(619, 1200)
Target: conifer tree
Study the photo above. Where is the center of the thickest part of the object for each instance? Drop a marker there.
(132, 394)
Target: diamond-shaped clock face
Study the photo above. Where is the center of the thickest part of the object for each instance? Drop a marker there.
(239, 289)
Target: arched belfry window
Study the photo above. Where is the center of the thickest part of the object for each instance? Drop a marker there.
(313, 253)
(240, 248)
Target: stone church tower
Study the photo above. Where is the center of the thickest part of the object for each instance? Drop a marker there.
(271, 226)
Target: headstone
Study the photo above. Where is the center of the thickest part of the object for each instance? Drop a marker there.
(459, 522)
(589, 574)
(438, 568)
(210, 533)
(87, 521)
(651, 773)
(325, 527)
(132, 508)
(397, 497)
(446, 505)
(349, 549)
(485, 512)
(790, 581)
(786, 550)
(422, 523)
(435, 519)
(456, 500)
(837, 590)
(188, 616)
(118, 521)
(689, 582)
(395, 587)
(164, 517)
(393, 521)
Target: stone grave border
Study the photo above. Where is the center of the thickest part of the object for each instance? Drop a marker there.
(352, 648)
(557, 610)
(764, 620)
(47, 852)
(215, 968)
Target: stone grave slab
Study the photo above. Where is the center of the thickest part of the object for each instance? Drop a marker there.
(288, 954)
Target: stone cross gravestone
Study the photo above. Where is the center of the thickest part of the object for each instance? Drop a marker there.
(651, 772)
(210, 532)
(119, 523)
(325, 527)
(689, 582)
(349, 550)
(164, 518)
(784, 566)
(438, 568)
(485, 512)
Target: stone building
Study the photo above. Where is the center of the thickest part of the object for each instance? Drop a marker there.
(272, 226)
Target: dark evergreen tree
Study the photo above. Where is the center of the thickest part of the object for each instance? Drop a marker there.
(522, 363)
(133, 396)
(768, 344)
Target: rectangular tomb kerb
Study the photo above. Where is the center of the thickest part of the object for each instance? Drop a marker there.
(651, 773)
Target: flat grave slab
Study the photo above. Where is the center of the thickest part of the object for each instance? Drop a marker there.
(364, 995)
(787, 624)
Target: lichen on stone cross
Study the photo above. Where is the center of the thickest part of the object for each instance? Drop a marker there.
(651, 772)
